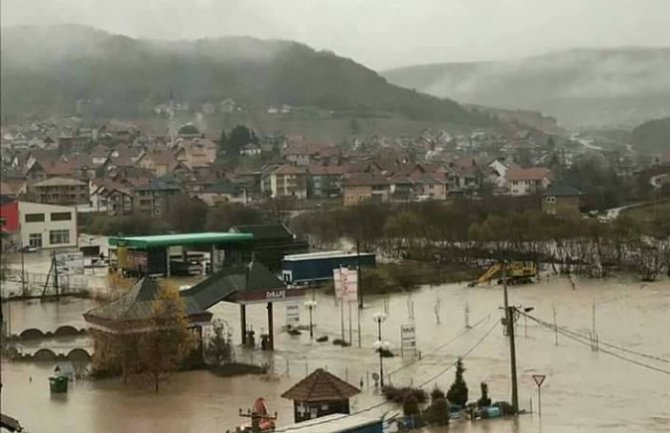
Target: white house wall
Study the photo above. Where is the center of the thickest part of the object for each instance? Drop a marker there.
(45, 227)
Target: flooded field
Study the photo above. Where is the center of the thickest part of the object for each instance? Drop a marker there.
(584, 391)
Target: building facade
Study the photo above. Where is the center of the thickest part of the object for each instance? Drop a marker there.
(61, 191)
(47, 226)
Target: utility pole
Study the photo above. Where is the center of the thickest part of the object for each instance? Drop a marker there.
(358, 269)
(23, 273)
(509, 323)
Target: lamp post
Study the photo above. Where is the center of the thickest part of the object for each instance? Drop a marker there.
(311, 306)
(380, 345)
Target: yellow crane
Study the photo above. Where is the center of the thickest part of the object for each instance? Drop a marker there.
(517, 273)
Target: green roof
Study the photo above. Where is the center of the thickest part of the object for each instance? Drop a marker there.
(208, 238)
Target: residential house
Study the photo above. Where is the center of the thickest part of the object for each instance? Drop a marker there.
(309, 153)
(199, 152)
(359, 188)
(250, 149)
(160, 162)
(13, 188)
(560, 199)
(526, 181)
(286, 181)
(325, 181)
(152, 198)
(223, 191)
(430, 187)
(61, 191)
(112, 197)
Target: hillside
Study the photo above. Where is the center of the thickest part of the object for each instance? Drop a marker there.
(594, 87)
(47, 70)
(653, 136)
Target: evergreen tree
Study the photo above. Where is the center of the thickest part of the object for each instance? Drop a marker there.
(484, 400)
(458, 392)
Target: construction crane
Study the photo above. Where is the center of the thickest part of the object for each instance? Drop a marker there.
(517, 273)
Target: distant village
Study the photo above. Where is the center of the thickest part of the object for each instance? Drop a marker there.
(117, 168)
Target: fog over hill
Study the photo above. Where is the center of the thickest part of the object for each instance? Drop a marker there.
(595, 87)
(47, 69)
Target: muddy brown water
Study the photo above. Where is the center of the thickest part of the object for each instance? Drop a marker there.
(584, 390)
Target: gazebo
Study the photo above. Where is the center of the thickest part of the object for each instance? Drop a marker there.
(320, 394)
(132, 313)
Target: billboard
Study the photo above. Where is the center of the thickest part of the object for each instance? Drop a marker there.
(346, 284)
(70, 263)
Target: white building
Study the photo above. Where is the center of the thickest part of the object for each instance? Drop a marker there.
(47, 226)
(527, 181)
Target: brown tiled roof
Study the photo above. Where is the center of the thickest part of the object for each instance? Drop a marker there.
(523, 174)
(365, 179)
(321, 386)
(323, 170)
(290, 169)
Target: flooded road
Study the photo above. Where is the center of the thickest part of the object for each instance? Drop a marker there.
(584, 390)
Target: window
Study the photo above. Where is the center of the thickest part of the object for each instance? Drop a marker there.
(59, 236)
(35, 240)
(34, 218)
(61, 216)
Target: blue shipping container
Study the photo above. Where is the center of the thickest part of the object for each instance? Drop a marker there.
(315, 267)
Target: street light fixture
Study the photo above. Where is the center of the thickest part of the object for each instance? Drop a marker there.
(380, 345)
(311, 306)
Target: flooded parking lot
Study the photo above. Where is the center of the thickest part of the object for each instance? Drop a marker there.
(585, 390)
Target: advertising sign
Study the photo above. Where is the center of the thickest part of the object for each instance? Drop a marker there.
(293, 314)
(408, 338)
(346, 284)
(70, 263)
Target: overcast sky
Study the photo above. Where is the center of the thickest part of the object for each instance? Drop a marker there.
(378, 33)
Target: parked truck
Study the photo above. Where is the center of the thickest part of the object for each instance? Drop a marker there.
(318, 267)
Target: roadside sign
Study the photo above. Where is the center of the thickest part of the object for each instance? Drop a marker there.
(408, 338)
(293, 314)
(539, 379)
(346, 284)
(70, 263)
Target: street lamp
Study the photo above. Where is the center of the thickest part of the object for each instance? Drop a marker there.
(380, 345)
(311, 306)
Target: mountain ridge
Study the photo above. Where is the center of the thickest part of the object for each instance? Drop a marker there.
(50, 68)
(578, 86)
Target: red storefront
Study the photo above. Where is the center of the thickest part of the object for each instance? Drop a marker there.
(9, 213)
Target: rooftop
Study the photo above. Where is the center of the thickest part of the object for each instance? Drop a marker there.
(321, 386)
(60, 181)
(562, 190)
(335, 423)
(523, 174)
(205, 238)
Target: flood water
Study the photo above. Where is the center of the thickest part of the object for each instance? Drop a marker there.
(584, 391)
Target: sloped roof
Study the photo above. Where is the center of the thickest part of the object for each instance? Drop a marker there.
(60, 181)
(523, 174)
(321, 386)
(562, 190)
(158, 185)
(223, 284)
(290, 169)
(136, 305)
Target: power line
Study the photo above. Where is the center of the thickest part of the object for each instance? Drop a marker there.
(463, 356)
(383, 403)
(580, 339)
(442, 346)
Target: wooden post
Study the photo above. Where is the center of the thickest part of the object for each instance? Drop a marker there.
(243, 323)
(271, 337)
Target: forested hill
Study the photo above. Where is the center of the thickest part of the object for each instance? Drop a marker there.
(49, 69)
(653, 136)
(597, 87)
